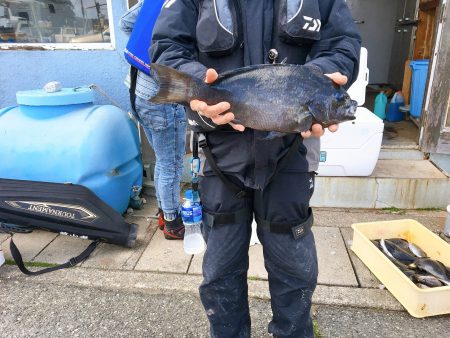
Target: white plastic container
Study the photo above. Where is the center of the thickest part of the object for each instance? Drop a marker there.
(354, 149)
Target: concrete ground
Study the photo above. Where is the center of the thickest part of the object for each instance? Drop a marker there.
(138, 291)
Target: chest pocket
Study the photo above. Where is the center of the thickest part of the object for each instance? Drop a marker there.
(299, 21)
(217, 27)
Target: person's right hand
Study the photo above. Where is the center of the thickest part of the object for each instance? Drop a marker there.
(215, 112)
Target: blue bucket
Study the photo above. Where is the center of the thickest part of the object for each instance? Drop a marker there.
(419, 82)
(394, 114)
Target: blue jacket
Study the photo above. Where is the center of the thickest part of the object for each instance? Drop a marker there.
(194, 35)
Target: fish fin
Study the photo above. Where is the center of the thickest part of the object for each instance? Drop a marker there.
(305, 121)
(174, 86)
(272, 135)
(230, 73)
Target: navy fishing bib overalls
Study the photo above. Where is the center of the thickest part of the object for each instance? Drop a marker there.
(191, 36)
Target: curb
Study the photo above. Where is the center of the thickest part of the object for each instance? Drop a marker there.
(154, 283)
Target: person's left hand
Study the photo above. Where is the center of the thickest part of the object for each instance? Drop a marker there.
(317, 129)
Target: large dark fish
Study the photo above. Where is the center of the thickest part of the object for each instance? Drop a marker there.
(280, 98)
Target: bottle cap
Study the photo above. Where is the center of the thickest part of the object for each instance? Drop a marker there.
(188, 194)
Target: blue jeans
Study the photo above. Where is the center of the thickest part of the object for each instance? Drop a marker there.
(165, 128)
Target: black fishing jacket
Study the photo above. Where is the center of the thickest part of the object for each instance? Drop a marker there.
(194, 35)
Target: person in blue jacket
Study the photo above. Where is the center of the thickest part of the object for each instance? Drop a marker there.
(165, 128)
(270, 180)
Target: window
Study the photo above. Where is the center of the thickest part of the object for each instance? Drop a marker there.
(54, 21)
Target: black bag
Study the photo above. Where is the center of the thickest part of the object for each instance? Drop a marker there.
(68, 209)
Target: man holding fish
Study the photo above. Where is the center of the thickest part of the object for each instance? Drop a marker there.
(250, 121)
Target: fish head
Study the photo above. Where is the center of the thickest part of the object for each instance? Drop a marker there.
(336, 108)
(343, 108)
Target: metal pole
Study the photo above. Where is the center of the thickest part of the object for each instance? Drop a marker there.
(82, 9)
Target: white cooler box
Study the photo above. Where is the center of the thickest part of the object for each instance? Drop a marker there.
(354, 149)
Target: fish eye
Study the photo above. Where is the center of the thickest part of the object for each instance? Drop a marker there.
(339, 96)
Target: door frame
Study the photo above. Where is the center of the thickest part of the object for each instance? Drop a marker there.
(435, 131)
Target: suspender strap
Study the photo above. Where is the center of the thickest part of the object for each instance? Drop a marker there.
(239, 192)
(234, 188)
(298, 230)
(133, 80)
(195, 161)
(72, 262)
(240, 216)
(195, 144)
(284, 160)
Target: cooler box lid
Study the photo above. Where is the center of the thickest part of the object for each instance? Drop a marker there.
(357, 91)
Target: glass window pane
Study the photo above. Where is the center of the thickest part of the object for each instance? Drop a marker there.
(54, 21)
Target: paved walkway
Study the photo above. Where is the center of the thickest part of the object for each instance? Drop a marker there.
(343, 278)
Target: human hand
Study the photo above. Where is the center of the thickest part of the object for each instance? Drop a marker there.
(316, 129)
(215, 112)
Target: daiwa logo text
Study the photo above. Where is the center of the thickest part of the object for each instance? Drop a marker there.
(311, 24)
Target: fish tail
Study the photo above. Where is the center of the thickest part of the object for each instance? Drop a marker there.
(174, 86)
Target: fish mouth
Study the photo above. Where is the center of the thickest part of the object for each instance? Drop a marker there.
(348, 110)
(353, 106)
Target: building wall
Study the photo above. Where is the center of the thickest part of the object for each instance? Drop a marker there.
(442, 161)
(32, 69)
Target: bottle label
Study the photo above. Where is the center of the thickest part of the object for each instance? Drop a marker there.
(197, 213)
(191, 214)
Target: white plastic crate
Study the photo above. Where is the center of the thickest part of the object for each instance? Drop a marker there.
(418, 302)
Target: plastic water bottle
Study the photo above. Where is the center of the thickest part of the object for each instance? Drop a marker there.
(191, 213)
(380, 105)
(394, 113)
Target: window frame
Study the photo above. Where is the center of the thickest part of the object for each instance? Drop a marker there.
(70, 46)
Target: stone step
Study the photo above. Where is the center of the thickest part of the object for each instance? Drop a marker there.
(400, 154)
(405, 184)
(401, 179)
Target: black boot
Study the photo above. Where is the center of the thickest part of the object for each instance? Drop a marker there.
(174, 229)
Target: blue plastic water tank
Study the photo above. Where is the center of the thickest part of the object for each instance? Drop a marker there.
(418, 84)
(63, 137)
